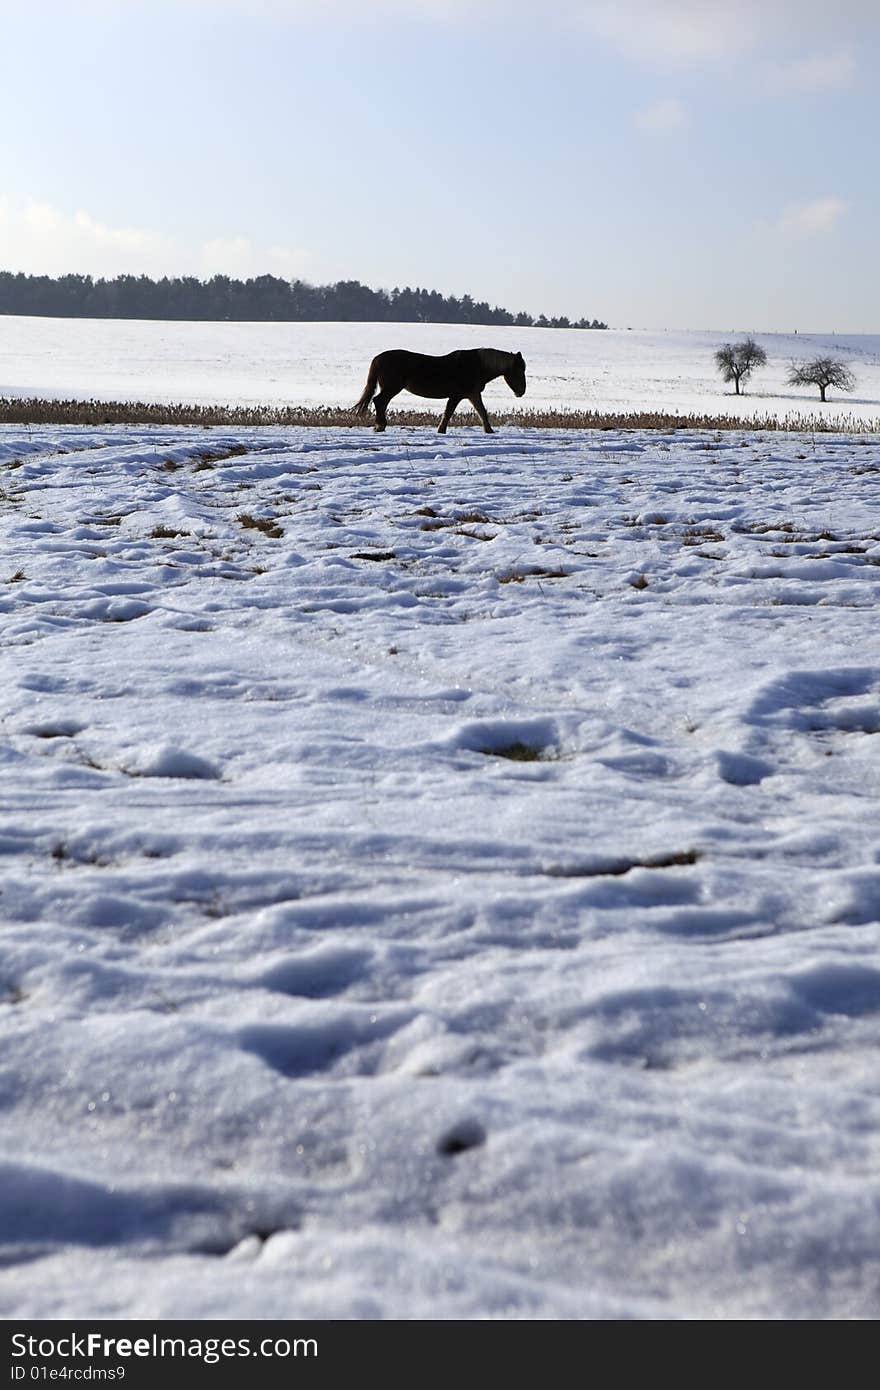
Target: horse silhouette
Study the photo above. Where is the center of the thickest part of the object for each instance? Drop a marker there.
(458, 376)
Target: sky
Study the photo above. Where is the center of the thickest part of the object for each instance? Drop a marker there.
(651, 163)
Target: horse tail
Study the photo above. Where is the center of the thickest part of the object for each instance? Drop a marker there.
(369, 390)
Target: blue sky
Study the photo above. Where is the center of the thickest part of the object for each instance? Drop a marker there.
(655, 163)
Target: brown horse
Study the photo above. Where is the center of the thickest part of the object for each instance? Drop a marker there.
(458, 376)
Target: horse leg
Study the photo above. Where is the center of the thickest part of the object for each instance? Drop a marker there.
(380, 403)
(448, 413)
(476, 401)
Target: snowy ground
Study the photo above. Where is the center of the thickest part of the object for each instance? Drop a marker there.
(326, 364)
(463, 903)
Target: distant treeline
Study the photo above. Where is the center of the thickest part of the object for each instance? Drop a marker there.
(265, 299)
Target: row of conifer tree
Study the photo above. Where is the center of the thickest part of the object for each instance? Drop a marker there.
(266, 298)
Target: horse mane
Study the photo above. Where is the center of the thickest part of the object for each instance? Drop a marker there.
(495, 359)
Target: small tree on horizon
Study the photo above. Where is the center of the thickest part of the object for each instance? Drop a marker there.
(737, 361)
(822, 372)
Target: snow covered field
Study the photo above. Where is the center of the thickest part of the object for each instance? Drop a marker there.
(326, 364)
(441, 877)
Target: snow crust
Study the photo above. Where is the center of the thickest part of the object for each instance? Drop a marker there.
(461, 905)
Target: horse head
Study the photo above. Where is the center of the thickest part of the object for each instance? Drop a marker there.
(515, 374)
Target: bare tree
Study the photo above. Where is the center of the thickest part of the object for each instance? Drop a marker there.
(737, 361)
(822, 372)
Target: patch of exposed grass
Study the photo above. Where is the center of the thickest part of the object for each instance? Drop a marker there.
(533, 572)
(208, 457)
(617, 868)
(260, 523)
(461, 519)
(166, 533)
(516, 752)
(695, 535)
(675, 860)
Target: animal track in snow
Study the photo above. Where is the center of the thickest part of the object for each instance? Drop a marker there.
(349, 1040)
(318, 974)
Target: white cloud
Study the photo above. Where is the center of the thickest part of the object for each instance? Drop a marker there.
(821, 72)
(666, 115)
(657, 32)
(810, 219)
(40, 239)
(688, 32)
(665, 29)
(675, 32)
(240, 258)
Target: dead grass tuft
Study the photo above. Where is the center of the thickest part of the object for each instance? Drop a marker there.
(260, 523)
(37, 411)
(166, 533)
(695, 535)
(516, 752)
